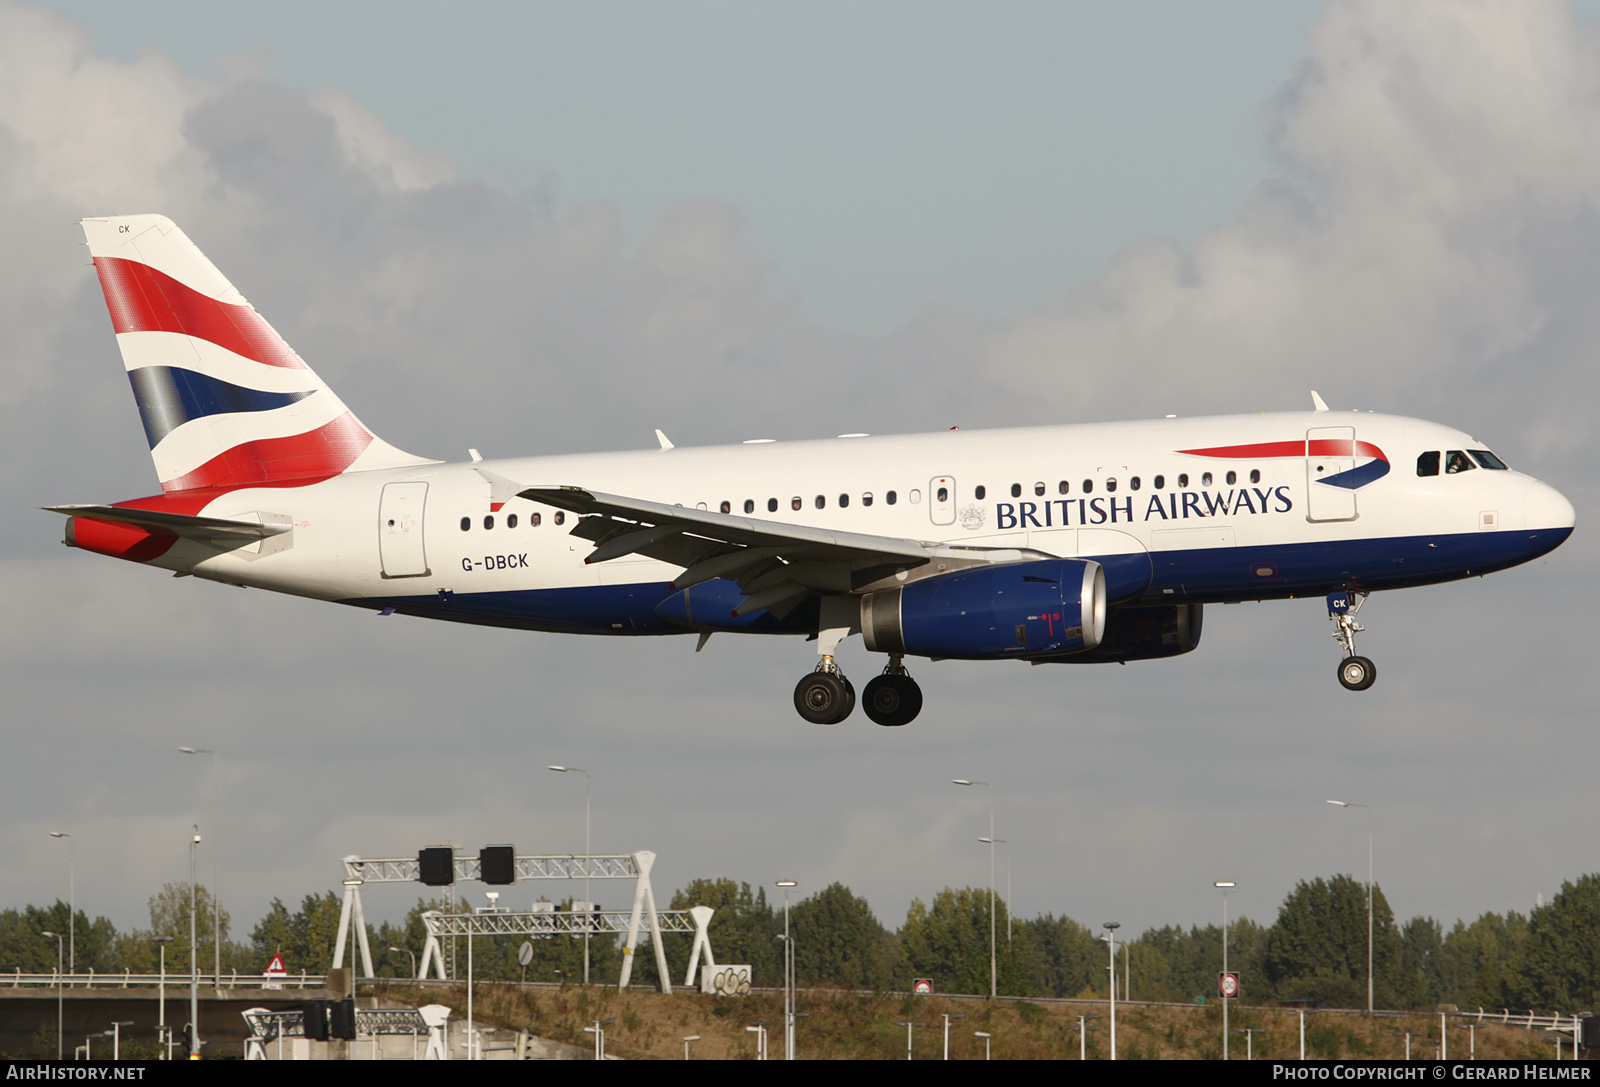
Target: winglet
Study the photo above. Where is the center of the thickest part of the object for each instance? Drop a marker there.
(666, 443)
(1317, 403)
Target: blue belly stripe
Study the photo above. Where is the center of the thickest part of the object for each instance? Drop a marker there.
(1209, 575)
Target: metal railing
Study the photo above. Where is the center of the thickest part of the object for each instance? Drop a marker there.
(16, 979)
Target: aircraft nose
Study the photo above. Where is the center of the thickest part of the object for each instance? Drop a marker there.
(1546, 507)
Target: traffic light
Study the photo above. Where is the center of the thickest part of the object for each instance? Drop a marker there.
(436, 866)
(342, 1019)
(314, 1017)
(497, 865)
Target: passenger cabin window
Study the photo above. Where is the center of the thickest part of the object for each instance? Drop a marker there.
(1255, 475)
(466, 524)
(979, 491)
(1205, 479)
(821, 502)
(726, 507)
(1111, 484)
(1183, 479)
(772, 505)
(1038, 488)
(749, 505)
(796, 502)
(942, 495)
(534, 519)
(1160, 483)
(560, 517)
(1088, 486)
(1133, 484)
(1457, 461)
(844, 500)
(890, 497)
(488, 522)
(866, 498)
(1428, 463)
(915, 496)
(1061, 488)
(1233, 477)
(511, 520)
(1016, 490)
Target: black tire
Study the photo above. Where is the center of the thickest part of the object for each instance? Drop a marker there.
(824, 698)
(1357, 673)
(892, 700)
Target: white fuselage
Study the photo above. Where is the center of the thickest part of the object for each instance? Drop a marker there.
(1083, 490)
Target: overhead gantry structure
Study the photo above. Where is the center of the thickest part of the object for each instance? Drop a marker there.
(360, 871)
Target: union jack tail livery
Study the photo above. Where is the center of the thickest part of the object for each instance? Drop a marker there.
(225, 401)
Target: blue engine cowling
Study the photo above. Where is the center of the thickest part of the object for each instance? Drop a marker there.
(1020, 609)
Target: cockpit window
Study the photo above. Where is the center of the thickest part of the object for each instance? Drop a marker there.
(1456, 461)
(1428, 463)
(1488, 460)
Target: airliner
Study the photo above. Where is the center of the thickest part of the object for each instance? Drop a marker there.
(1080, 544)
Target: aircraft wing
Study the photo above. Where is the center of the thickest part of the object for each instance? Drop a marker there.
(776, 565)
(180, 524)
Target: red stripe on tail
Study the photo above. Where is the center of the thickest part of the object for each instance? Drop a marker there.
(142, 299)
(314, 455)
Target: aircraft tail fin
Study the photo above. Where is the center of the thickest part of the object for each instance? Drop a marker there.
(224, 400)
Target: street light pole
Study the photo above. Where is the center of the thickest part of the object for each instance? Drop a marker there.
(1225, 885)
(216, 820)
(1111, 947)
(72, 899)
(56, 936)
(1083, 1035)
(994, 982)
(947, 1017)
(788, 974)
(588, 920)
(194, 959)
(161, 1016)
(1346, 804)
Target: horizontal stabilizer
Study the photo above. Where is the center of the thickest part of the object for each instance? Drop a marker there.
(182, 524)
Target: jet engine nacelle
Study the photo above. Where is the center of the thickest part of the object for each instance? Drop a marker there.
(1141, 634)
(1021, 609)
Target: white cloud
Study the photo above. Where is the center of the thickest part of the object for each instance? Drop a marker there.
(1440, 156)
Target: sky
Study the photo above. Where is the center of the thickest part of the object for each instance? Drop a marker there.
(540, 228)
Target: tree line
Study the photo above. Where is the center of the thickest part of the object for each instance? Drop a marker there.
(1315, 950)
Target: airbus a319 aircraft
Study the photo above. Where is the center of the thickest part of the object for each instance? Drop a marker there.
(1050, 545)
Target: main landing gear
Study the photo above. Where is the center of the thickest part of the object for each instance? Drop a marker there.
(825, 697)
(893, 698)
(1355, 673)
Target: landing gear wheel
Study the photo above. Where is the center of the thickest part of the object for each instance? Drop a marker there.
(1357, 673)
(824, 698)
(892, 700)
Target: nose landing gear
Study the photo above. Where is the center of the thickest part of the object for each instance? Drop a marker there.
(893, 698)
(1355, 673)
